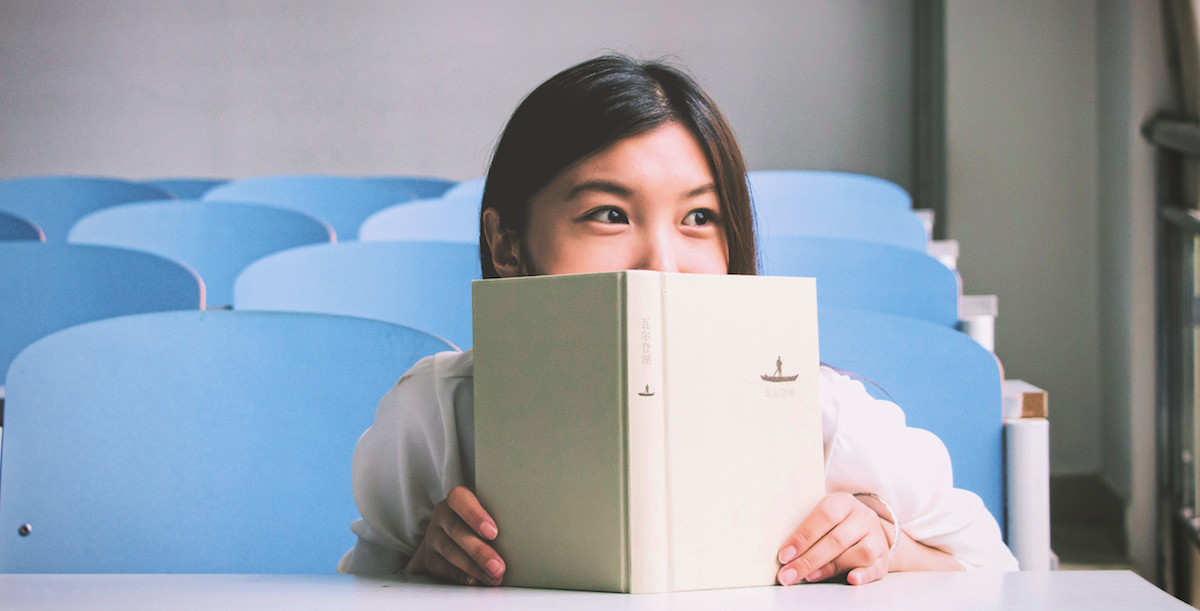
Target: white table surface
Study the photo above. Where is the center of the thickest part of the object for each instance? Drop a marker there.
(981, 590)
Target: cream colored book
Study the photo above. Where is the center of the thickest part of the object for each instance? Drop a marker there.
(643, 431)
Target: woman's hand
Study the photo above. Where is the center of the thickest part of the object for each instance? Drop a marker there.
(453, 548)
(840, 536)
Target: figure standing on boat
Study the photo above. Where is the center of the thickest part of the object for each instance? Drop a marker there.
(778, 376)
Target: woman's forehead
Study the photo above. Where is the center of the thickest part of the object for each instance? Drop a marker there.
(668, 151)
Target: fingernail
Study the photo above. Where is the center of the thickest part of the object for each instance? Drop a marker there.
(814, 576)
(494, 567)
(787, 576)
(787, 555)
(488, 530)
(471, 581)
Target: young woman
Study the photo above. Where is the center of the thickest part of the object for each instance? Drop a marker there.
(611, 165)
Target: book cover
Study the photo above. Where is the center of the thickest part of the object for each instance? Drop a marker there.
(643, 431)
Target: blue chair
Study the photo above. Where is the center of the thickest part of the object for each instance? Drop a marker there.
(217, 239)
(48, 287)
(850, 220)
(54, 203)
(419, 187)
(944, 381)
(440, 219)
(868, 276)
(471, 188)
(187, 188)
(192, 442)
(342, 202)
(817, 187)
(425, 285)
(13, 227)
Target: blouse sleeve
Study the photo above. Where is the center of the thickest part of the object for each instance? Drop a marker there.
(869, 448)
(404, 464)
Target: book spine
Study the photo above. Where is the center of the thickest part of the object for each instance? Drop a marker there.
(648, 545)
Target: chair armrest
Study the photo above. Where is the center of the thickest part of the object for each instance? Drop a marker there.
(945, 251)
(977, 318)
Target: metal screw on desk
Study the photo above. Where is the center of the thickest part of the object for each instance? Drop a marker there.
(24, 530)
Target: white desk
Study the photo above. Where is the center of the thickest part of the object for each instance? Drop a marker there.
(1030, 590)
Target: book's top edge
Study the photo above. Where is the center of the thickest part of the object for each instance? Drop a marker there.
(581, 275)
(628, 271)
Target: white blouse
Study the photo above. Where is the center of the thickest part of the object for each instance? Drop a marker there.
(422, 446)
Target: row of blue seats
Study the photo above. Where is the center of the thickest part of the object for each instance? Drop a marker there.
(788, 203)
(218, 238)
(396, 281)
(219, 442)
(55, 203)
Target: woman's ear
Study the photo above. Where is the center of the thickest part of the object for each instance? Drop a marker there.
(504, 245)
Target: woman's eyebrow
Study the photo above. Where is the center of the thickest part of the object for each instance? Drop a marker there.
(619, 190)
(600, 186)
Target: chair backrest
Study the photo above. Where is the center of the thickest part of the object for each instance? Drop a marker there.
(13, 227)
(472, 188)
(420, 187)
(48, 287)
(425, 285)
(851, 220)
(440, 219)
(944, 381)
(217, 239)
(54, 203)
(192, 442)
(809, 187)
(341, 201)
(868, 276)
(187, 188)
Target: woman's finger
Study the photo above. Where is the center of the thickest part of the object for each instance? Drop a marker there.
(445, 548)
(841, 535)
(485, 563)
(439, 566)
(791, 574)
(464, 503)
(871, 571)
(869, 556)
(818, 540)
(829, 512)
(869, 552)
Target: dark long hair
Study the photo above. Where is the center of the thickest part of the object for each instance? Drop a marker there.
(588, 107)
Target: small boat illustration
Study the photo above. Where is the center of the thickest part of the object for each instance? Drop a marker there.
(772, 378)
(646, 393)
(777, 375)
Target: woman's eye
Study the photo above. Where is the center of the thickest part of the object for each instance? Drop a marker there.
(608, 215)
(700, 217)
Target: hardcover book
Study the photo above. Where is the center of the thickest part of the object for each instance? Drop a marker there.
(644, 431)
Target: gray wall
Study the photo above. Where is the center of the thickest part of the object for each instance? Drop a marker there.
(236, 88)
(1022, 136)
(1050, 191)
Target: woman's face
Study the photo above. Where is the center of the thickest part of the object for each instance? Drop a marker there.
(646, 202)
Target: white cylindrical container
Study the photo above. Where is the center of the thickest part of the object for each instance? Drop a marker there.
(1027, 472)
